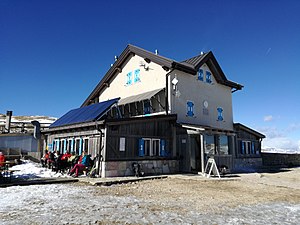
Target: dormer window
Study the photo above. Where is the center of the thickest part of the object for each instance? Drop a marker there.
(129, 78)
(200, 74)
(208, 77)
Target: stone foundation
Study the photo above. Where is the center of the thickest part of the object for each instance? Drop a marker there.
(149, 167)
(247, 164)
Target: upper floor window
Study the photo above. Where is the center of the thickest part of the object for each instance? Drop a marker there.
(220, 114)
(208, 77)
(129, 78)
(137, 75)
(200, 74)
(190, 108)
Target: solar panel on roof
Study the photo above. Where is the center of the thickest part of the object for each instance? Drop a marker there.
(84, 114)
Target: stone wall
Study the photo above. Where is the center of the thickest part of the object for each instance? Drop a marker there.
(247, 164)
(149, 167)
(278, 159)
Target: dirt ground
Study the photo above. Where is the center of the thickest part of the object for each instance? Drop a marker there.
(188, 193)
(254, 198)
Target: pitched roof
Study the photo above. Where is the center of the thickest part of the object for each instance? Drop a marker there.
(190, 66)
(84, 114)
(248, 129)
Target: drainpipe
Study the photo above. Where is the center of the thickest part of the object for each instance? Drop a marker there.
(167, 91)
(100, 149)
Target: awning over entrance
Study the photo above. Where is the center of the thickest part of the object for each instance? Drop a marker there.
(140, 97)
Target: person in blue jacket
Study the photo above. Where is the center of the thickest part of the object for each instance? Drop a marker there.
(83, 164)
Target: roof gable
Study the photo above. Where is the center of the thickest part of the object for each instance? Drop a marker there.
(248, 129)
(190, 66)
(209, 59)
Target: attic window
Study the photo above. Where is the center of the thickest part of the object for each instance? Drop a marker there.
(208, 77)
(200, 74)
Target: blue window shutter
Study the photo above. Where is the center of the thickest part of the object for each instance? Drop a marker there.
(220, 114)
(208, 77)
(163, 148)
(80, 146)
(252, 148)
(242, 147)
(137, 75)
(200, 74)
(141, 147)
(190, 108)
(129, 78)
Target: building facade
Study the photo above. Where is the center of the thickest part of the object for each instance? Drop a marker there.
(170, 116)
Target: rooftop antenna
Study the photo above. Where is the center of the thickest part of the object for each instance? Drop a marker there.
(156, 52)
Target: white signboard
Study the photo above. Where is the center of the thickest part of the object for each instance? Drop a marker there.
(122, 144)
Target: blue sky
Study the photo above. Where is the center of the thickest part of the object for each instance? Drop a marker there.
(53, 53)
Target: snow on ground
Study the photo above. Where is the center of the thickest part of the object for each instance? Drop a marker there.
(30, 170)
(76, 203)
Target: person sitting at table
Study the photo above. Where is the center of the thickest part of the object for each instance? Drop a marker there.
(45, 158)
(82, 164)
(2, 159)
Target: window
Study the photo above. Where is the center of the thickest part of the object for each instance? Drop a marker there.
(248, 147)
(122, 144)
(190, 108)
(147, 147)
(137, 76)
(70, 145)
(77, 146)
(200, 74)
(129, 78)
(155, 147)
(209, 144)
(208, 77)
(220, 114)
(86, 144)
(152, 147)
(147, 107)
(223, 140)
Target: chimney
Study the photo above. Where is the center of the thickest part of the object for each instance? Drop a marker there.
(8, 121)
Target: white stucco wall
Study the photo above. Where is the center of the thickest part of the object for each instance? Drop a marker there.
(150, 80)
(192, 89)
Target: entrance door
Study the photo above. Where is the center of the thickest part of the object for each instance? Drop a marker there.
(195, 152)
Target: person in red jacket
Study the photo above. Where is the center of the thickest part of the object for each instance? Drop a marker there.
(2, 159)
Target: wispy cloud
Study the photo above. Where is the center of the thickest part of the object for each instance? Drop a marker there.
(268, 118)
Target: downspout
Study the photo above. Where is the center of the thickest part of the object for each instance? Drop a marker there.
(167, 91)
(100, 149)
